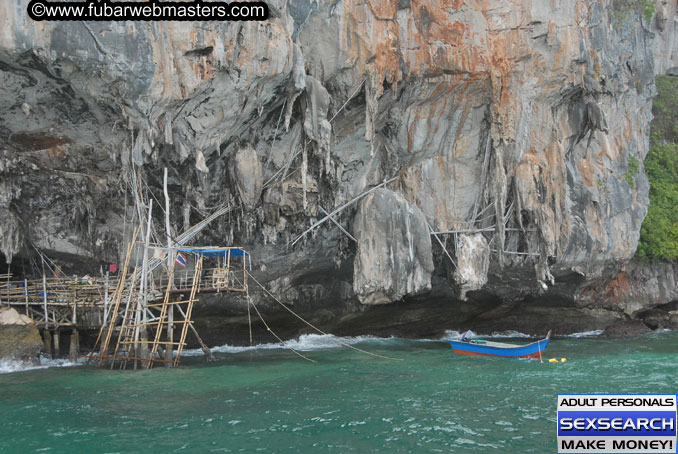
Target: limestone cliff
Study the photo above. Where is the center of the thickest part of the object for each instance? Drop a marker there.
(512, 123)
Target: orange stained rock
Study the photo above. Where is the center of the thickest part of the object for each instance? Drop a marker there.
(618, 286)
(586, 171)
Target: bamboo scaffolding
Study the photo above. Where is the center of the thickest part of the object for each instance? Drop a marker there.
(163, 312)
(126, 332)
(118, 298)
(435, 235)
(341, 208)
(189, 309)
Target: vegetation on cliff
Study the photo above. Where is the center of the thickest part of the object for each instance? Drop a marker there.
(659, 234)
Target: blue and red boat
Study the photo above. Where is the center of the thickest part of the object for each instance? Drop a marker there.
(466, 346)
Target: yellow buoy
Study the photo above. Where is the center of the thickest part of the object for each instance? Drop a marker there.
(562, 360)
(553, 360)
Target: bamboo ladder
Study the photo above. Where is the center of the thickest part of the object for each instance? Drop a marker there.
(116, 306)
(126, 335)
(163, 321)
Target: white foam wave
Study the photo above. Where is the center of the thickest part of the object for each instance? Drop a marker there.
(594, 333)
(8, 366)
(455, 335)
(305, 343)
(514, 334)
(451, 334)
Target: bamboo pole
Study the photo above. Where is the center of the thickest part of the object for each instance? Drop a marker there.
(337, 224)
(534, 254)
(140, 316)
(441, 244)
(106, 302)
(118, 298)
(341, 208)
(169, 350)
(228, 269)
(124, 327)
(189, 309)
(25, 293)
(161, 318)
(44, 294)
(484, 229)
(203, 346)
(75, 311)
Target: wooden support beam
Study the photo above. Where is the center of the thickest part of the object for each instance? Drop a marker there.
(47, 340)
(205, 349)
(74, 348)
(57, 348)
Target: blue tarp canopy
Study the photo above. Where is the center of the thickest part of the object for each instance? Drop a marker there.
(215, 251)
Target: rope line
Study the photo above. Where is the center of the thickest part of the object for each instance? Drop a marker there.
(316, 328)
(249, 317)
(349, 99)
(268, 328)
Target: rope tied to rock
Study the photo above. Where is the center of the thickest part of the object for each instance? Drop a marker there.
(268, 328)
(333, 338)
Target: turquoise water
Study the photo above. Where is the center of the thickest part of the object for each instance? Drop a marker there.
(269, 400)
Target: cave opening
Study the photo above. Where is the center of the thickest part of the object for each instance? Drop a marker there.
(4, 266)
(17, 268)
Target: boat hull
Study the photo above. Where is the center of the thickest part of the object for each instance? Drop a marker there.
(533, 350)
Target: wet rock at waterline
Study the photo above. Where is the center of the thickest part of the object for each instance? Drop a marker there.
(626, 328)
(19, 337)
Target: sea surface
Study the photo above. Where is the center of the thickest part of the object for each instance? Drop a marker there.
(267, 399)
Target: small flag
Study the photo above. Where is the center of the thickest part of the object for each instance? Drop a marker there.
(181, 259)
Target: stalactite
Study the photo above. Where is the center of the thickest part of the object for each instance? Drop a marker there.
(11, 236)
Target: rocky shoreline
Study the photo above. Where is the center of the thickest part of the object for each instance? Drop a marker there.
(19, 338)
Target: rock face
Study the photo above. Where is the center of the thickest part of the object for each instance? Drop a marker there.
(516, 120)
(636, 286)
(473, 262)
(626, 328)
(12, 317)
(246, 174)
(394, 249)
(19, 337)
